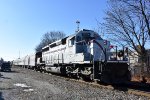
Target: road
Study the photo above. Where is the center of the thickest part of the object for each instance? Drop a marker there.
(25, 84)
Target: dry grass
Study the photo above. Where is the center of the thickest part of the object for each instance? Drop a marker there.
(137, 78)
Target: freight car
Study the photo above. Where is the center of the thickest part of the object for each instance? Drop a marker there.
(83, 55)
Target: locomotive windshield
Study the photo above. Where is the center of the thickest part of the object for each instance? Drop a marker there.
(84, 37)
(87, 37)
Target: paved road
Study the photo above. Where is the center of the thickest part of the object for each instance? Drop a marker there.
(24, 84)
(21, 84)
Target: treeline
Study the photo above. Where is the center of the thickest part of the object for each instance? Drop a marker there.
(48, 38)
(1, 60)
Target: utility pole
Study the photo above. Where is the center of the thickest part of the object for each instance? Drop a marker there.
(19, 54)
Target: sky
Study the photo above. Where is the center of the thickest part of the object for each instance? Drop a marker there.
(23, 22)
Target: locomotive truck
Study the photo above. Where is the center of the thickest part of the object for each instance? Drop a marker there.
(83, 55)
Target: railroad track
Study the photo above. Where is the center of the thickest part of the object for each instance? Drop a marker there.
(127, 88)
(131, 88)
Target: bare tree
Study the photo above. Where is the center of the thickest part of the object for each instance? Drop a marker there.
(48, 38)
(1, 61)
(128, 21)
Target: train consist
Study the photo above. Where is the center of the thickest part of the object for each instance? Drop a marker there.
(83, 55)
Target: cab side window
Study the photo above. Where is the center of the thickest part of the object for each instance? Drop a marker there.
(72, 41)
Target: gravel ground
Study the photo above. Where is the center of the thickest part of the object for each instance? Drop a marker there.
(24, 84)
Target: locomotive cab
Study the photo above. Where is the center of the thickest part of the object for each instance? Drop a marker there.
(96, 51)
(92, 45)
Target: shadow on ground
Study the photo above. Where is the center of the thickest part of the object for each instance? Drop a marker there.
(133, 85)
(2, 76)
(1, 98)
(10, 71)
(141, 86)
(5, 77)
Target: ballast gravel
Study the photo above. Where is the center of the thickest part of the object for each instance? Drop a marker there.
(25, 84)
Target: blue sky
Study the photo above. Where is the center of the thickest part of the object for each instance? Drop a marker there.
(23, 22)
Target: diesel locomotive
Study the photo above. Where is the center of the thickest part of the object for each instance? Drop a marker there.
(83, 55)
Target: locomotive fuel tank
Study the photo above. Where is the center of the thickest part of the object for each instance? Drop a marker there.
(53, 69)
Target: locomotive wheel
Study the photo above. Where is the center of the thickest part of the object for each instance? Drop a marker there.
(78, 76)
(87, 78)
(69, 75)
(82, 77)
(91, 77)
